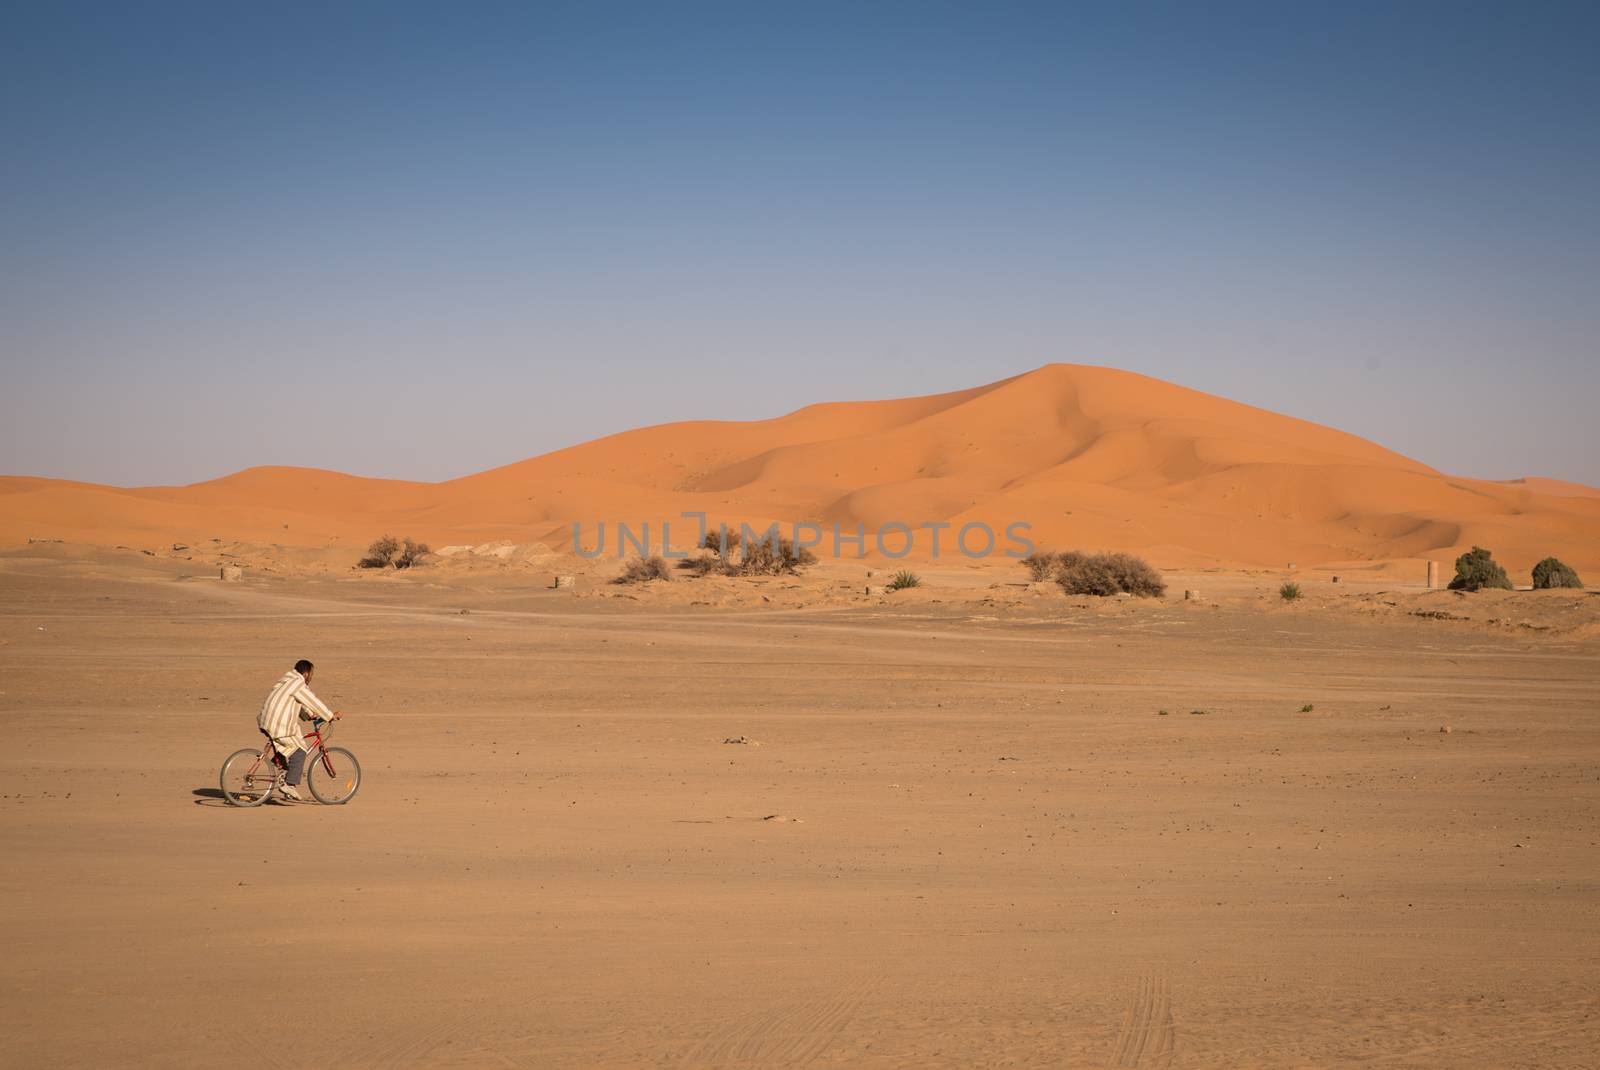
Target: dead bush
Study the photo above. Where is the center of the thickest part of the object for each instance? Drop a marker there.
(1109, 574)
(1040, 566)
(704, 565)
(713, 541)
(1045, 565)
(767, 554)
(381, 553)
(410, 552)
(771, 557)
(390, 552)
(644, 569)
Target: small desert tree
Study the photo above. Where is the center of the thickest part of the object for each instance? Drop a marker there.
(381, 553)
(1477, 569)
(410, 553)
(1553, 573)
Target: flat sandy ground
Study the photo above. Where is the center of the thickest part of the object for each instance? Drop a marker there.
(968, 837)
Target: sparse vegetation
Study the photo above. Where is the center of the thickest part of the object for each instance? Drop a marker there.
(1039, 566)
(1044, 565)
(904, 579)
(1477, 569)
(713, 541)
(1551, 573)
(381, 553)
(410, 553)
(1290, 592)
(1108, 574)
(1307, 708)
(390, 552)
(644, 569)
(760, 557)
(768, 554)
(1096, 574)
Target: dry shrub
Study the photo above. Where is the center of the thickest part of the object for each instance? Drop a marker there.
(644, 569)
(1046, 565)
(1290, 591)
(762, 558)
(1109, 574)
(768, 554)
(903, 579)
(703, 565)
(1040, 566)
(410, 553)
(390, 552)
(713, 541)
(381, 553)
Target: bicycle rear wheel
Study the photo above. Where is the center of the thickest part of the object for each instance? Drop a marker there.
(247, 778)
(334, 776)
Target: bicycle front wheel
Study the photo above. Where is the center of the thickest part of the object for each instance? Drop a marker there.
(247, 778)
(333, 776)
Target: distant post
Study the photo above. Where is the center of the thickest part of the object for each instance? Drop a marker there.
(1433, 574)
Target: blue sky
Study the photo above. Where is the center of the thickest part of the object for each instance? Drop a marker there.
(418, 240)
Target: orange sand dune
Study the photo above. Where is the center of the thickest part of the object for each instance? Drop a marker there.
(1088, 457)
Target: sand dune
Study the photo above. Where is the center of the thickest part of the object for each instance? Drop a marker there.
(1087, 456)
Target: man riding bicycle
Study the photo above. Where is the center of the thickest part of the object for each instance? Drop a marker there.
(290, 700)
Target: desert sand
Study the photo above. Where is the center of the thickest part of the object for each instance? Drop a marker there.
(979, 823)
(1090, 457)
(799, 820)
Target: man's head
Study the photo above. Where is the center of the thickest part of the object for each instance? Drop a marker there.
(304, 668)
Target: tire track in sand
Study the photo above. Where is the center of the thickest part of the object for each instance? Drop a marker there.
(1148, 1037)
(408, 1047)
(793, 1034)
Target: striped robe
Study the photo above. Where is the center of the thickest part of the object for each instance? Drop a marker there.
(280, 714)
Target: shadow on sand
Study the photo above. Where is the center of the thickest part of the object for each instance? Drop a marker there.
(209, 797)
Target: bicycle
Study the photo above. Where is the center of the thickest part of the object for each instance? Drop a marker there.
(249, 777)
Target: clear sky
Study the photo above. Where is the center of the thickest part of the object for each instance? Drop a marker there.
(418, 240)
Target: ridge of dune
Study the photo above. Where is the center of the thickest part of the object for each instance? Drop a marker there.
(1558, 487)
(1088, 456)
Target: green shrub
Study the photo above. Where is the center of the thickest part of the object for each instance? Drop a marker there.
(904, 579)
(1552, 573)
(1476, 569)
(1290, 592)
(644, 569)
(1108, 574)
